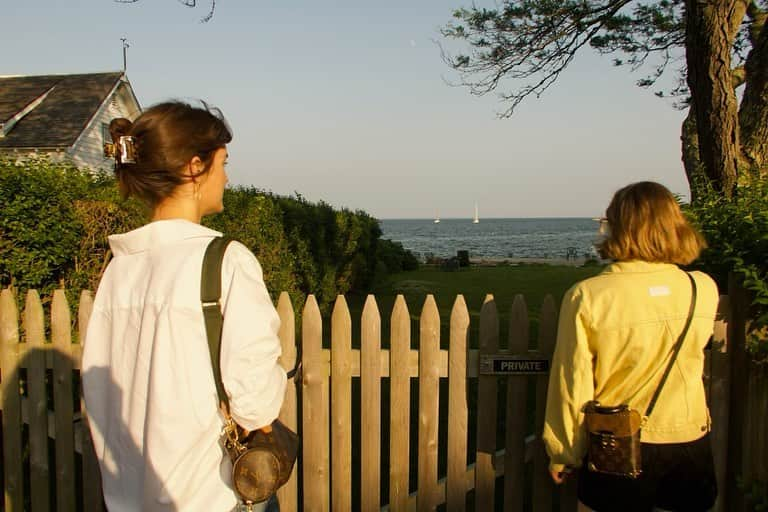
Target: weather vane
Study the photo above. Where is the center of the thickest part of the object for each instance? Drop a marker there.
(125, 52)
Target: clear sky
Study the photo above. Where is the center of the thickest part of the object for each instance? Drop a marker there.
(347, 102)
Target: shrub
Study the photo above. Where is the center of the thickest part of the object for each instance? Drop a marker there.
(737, 233)
(55, 219)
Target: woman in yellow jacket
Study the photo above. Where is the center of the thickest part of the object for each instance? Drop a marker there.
(615, 338)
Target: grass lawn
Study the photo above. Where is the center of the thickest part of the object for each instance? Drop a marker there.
(533, 281)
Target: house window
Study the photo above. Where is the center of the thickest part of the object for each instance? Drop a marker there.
(105, 135)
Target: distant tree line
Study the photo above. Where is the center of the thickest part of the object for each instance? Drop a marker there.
(55, 219)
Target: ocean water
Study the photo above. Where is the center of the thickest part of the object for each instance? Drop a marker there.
(495, 238)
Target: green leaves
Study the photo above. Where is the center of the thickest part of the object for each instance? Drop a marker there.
(531, 42)
(55, 219)
(737, 233)
(38, 222)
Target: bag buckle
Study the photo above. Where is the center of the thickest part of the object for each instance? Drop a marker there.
(231, 437)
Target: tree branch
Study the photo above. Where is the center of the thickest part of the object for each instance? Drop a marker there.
(739, 76)
(753, 111)
(524, 41)
(187, 3)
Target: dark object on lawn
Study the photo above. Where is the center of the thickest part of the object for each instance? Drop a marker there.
(451, 264)
(463, 257)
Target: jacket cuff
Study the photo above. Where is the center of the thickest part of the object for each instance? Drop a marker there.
(556, 467)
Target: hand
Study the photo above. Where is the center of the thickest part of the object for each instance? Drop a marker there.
(559, 476)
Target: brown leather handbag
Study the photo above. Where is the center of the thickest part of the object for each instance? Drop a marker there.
(262, 460)
(613, 432)
(614, 439)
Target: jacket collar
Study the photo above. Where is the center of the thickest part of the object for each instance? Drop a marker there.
(635, 266)
(160, 232)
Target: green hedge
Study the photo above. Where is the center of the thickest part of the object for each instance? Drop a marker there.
(737, 233)
(55, 218)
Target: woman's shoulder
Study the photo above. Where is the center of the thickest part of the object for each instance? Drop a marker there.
(239, 257)
(705, 285)
(592, 284)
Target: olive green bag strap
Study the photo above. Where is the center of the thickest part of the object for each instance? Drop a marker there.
(210, 296)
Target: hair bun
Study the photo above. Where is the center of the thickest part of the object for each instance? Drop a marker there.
(118, 127)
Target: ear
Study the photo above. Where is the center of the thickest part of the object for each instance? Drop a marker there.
(194, 167)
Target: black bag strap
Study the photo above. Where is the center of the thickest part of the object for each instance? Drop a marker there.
(210, 297)
(676, 349)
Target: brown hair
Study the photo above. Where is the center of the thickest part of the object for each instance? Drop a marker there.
(166, 137)
(645, 223)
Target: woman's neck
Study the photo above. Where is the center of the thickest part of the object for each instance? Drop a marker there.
(177, 208)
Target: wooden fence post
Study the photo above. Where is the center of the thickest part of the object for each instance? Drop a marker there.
(516, 414)
(739, 303)
(485, 473)
(429, 399)
(718, 386)
(543, 487)
(61, 335)
(315, 440)
(370, 407)
(288, 494)
(93, 500)
(34, 332)
(341, 406)
(456, 483)
(11, 405)
(758, 412)
(399, 404)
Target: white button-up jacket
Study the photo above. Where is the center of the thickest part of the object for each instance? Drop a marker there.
(147, 377)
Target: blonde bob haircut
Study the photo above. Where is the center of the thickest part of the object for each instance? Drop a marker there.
(645, 223)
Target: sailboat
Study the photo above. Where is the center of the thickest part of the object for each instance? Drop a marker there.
(476, 220)
(437, 219)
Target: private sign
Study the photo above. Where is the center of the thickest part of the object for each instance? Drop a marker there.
(513, 365)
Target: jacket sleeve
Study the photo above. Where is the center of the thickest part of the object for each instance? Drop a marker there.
(571, 385)
(250, 345)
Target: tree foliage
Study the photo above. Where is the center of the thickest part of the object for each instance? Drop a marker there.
(55, 219)
(714, 47)
(737, 233)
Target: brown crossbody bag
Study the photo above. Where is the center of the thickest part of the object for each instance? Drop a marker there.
(614, 431)
(262, 460)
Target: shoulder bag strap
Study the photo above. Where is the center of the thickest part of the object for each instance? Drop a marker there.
(210, 295)
(676, 350)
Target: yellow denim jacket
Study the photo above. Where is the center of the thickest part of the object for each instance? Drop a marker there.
(615, 336)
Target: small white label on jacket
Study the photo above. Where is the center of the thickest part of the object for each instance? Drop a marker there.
(659, 291)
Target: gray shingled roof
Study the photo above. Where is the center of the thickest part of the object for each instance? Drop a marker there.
(61, 117)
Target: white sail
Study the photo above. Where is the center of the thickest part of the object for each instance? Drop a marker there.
(476, 220)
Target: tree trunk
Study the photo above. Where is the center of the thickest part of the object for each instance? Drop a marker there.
(753, 114)
(709, 39)
(694, 172)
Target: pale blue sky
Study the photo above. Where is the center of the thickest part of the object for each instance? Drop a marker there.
(346, 102)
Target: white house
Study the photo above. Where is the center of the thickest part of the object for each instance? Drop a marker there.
(64, 116)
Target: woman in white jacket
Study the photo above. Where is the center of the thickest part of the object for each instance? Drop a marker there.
(147, 377)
